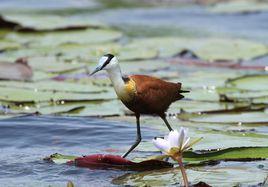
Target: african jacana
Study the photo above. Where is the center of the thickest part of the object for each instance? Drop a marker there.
(140, 93)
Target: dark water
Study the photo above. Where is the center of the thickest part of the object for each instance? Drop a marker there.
(25, 141)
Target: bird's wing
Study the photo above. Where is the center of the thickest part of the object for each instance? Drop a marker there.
(154, 92)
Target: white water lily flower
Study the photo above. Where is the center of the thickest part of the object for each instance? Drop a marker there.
(175, 143)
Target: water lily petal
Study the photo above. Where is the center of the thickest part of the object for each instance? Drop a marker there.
(173, 137)
(181, 137)
(185, 134)
(186, 143)
(161, 144)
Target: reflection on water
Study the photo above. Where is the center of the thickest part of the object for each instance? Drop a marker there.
(25, 141)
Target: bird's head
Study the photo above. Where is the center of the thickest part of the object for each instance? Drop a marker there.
(106, 62)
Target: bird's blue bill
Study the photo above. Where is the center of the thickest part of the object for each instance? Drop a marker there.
(95, 71)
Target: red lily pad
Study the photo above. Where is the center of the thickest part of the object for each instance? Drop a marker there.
(102, 161)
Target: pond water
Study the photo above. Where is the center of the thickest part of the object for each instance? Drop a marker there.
(25, 141)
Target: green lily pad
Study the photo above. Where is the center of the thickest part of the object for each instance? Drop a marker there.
(51, 64)
(229, 49)
(203, 95)
(101, 109)
(240, 6)
(23, 96)
(86, 52)
(198, 106)
(37, 22)
(244, 118)
(8, 45)
(166, 46)
(59, 158)
(233, 153)
(89, 36)
(250, 82)
(54, 86)
(129, 53)
(206, 48)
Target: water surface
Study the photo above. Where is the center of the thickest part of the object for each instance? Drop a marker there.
(25, 141)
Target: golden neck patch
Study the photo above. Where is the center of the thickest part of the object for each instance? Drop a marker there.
(129, 91)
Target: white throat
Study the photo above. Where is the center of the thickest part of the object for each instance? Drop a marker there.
(116, 77)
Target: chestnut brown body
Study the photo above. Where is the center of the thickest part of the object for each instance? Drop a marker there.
(152, 95)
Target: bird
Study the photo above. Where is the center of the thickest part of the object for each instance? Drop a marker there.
(142, 94)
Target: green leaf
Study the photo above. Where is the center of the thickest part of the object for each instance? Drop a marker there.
(240, 6)
(50, 85)
(257, 82)
(45, 22)
(24, 96)
(206, 48)
(59, 158)
(6, 45)
(51, 64)
(89, 36)
(233, 153)
(236, 118)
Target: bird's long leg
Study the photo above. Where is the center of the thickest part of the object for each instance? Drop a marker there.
(163, 117)
(138, 138)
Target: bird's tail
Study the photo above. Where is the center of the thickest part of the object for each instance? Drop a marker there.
(184, 91)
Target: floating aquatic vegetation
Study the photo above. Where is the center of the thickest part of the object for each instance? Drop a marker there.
(100, 161)
(88, 36)
(37, 22)
(210, 49)
(240, 6)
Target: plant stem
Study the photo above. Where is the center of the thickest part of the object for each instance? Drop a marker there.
(183, 172)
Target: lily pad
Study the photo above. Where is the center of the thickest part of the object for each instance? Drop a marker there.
(229, 154)
(51, 64)
(54, 86)
(205, 48)
(89, 36)
(240, 6)
(256, 82)
(101, 109)
(129, 53)
(203, 95)
(101, 161)
(23, 96)
(37, 22)
(244, 118)
(6, 45)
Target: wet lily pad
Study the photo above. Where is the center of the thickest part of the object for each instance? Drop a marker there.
(101, 109)
(244, 118)
(128, 53)
(205, 48)
(37, 22)
(54, 86)
(203, 95)
(23, 96)
(101, 161)
(240, 6)
(229, 154)
(89, 36)
(250, 82)
(51, 64)
(8, 45)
